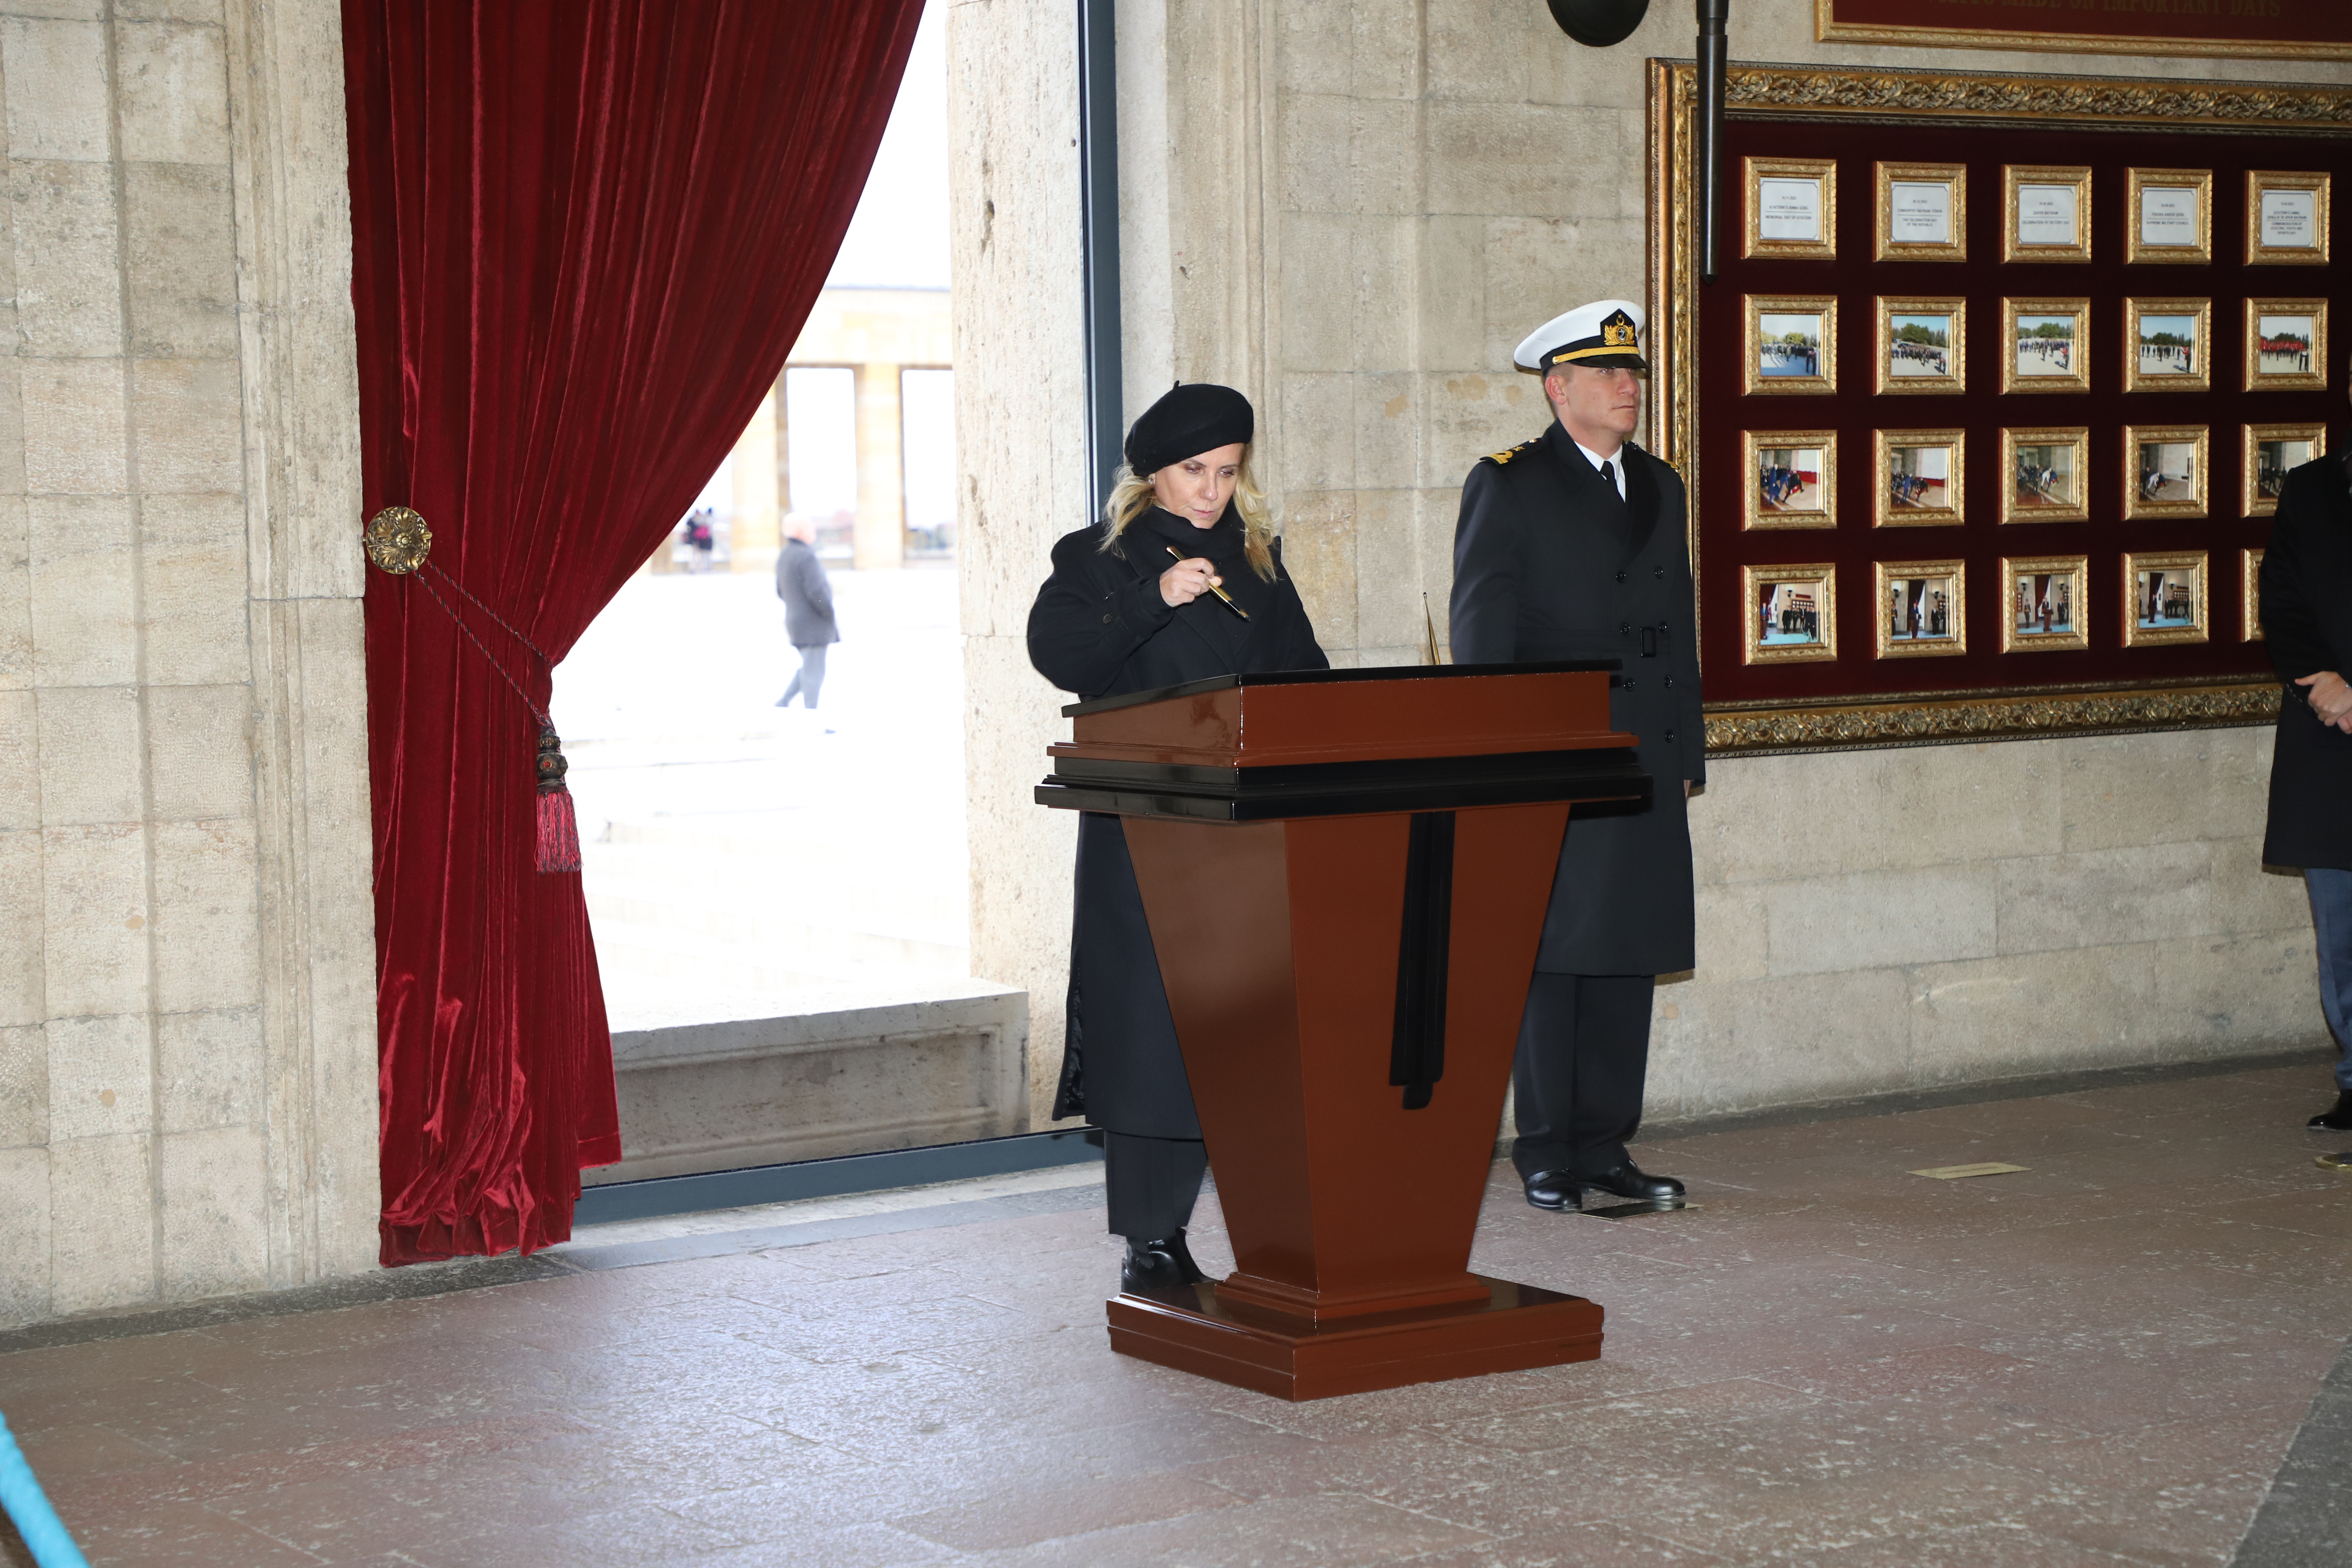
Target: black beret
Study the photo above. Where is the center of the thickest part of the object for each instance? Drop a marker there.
(1186, 422)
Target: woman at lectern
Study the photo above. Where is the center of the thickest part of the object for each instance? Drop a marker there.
(1181, 580)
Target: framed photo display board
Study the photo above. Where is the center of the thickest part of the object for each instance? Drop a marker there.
(2148, 268)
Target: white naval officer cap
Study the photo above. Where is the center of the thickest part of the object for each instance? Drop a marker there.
(1606, 334)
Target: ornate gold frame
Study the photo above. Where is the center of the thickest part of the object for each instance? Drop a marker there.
(2077, 175)
(1881, 469)
(1953, 177)
(1752, 516)
(2137, 251)
(1753, 170)
(2079, 378)
(2136, 508)
(2252, 502)
(2250, 595)
(2015, 567)
(1882, 636)
(1756, 307)
(2200, 358)
(1955, 309)
(2313, 380)
(1822, 652)
(2261, 180)
(2137, 561)
(1864, 93)
(2077, 436)
(1833, 32)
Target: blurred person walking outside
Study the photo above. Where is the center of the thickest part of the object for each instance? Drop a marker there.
(807, 594)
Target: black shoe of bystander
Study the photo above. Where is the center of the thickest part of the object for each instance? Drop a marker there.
(1158, 1264)
(2337, 1119)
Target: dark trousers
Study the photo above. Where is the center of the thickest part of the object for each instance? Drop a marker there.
(2331, 922)
(1583, 1056)
(808, 678)
(1151, 1183)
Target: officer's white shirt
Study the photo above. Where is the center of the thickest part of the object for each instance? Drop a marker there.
(1617, 464)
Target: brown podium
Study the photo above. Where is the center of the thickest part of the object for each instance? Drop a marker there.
(1345, 873)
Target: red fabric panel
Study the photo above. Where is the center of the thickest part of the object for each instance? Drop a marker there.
(1855, 411)
(586, 235)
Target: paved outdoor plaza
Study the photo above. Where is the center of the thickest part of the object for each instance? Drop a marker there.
(2100, 1360)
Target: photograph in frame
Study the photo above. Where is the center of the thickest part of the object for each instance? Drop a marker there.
(1918, 479)
(1792, 208)
(2169, 215)
(2269, 453)
(2045, 345)
(2164, 470)
(1790, 613)
(2286, 345)
(2250, 595)
(1922, 345)
(2045, 610)
(2286, 218)
(1793, 479)
(2168, 345)
(2164, 597)
(1921, 212)
(1792, 344)
(2047, 476)
(2045, 213)
(1921, 610)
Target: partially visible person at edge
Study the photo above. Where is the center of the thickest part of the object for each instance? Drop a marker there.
(809, 625)
(2307, 610)
(1128, 608)
(1570, 546)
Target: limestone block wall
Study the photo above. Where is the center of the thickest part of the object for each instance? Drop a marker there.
(187, 1102)
(1354, 209)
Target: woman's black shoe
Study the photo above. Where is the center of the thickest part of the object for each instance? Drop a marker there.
(1158, 1264)
(2338, 1120)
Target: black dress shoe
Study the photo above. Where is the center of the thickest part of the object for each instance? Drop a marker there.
(1158, 1264)
(1554, 1190)
(2338, 1120)
(1559, 1189)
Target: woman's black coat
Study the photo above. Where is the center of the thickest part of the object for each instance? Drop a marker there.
(2306, 599)
(1100, 629)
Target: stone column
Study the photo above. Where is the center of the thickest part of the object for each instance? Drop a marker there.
(881, 534)
(752, 538)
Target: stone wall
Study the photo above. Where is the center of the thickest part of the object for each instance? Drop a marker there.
(187, 1039)
(1353, 212)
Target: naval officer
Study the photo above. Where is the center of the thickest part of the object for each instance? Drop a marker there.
(1571, 546)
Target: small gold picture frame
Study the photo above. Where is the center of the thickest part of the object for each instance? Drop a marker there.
(2269, 453)
(2286, 345)
(2286, 218)
(2168, 345)
(2045, 345)
(2045, 610)
(2164, 597)
(2250, 595)
(2169, 215)
(1792, 478)
(1791, 612)
(2164, 470)
(2045, 213)
(1922, 345)
(2046, 475)
(1792, 344)
(1921, 212)
(1921, 610)
(1792, 208)
(1917, 478)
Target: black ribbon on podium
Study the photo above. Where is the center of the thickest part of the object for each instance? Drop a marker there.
(1424, 950)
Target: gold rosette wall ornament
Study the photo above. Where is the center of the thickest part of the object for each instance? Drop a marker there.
(397, 541)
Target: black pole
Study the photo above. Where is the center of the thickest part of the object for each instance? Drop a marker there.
(1712, 16)
(1099, 238)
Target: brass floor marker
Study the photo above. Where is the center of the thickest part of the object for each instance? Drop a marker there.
(1954, 1173)
(1627, 1210)
(2340, 1163)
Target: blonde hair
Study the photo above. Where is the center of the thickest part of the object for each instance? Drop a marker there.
(1131, 496)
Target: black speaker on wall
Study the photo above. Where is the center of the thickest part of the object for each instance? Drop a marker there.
(1599, 23)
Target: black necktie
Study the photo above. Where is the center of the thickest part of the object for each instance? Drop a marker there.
(1609, 473)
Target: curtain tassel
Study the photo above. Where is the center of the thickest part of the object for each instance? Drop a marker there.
(559, 824)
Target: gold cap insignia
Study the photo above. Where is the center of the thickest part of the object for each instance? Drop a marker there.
(1617, 332)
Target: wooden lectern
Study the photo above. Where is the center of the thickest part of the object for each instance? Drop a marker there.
(1345, 873)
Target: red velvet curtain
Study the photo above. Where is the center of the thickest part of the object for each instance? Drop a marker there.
(585, 234)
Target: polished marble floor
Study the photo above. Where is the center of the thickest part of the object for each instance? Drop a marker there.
(2100, 1360)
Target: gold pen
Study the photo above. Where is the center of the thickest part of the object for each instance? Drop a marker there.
(1220, 593)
